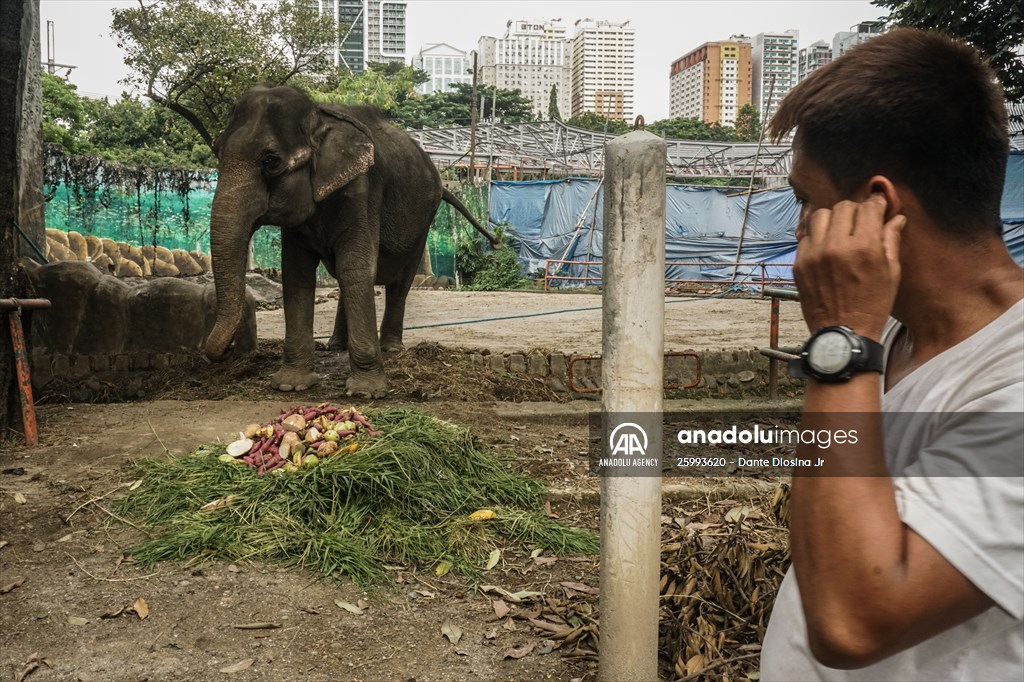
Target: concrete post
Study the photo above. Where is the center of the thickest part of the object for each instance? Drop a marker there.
(632, 376)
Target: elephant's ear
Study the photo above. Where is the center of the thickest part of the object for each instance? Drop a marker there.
(343, 150)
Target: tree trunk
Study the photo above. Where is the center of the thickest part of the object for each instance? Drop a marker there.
(21, 177)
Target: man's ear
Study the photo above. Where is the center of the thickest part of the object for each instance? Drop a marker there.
(879, 184)
(343, 150)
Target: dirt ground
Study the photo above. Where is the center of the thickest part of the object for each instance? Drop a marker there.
(65, 560)
(565, 322)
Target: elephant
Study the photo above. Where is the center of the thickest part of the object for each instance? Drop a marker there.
(348, 189)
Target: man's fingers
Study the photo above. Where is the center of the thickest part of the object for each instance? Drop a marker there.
(870, 218)
(818, 224)
(892, 232)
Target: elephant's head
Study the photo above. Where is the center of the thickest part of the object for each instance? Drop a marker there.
(279, 156)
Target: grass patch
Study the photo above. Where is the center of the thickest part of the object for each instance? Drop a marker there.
(402, 497)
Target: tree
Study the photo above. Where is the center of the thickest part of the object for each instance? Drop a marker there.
(553, 113)
(452, 107)
(133, 133)
(996, 27)
(63, 114)
(683, 128)
(196, 57)
(748, 123)
(589, 120)
(384, 85)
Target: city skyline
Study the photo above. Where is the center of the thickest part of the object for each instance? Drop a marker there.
(665, 31)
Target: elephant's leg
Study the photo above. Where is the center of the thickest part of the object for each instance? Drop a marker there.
(367, 370)
(392, 325)
(298, 278)
(339, 339)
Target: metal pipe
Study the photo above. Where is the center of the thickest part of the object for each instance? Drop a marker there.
(773, 342)
(24, 303)
(24, 378)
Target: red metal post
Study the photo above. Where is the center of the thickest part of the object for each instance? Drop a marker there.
(773, 341)
(28, 412)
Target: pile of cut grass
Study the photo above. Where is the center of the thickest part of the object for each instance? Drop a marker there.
(403, 497)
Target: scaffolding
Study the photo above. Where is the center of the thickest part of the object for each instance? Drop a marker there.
(543, 148)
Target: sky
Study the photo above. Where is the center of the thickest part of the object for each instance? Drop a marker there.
(665, 31)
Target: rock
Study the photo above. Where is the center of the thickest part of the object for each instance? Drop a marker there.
(746, 376)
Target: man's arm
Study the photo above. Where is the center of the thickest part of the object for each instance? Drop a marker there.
(870, 586)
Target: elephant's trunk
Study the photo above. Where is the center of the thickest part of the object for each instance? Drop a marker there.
(240, 200)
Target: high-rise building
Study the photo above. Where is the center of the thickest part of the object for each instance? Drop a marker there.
(531, 57)
(712, 82)
(602, 69)
(813, 57)
(446, 65)
(374, 31)
(844, 40)
(774, 57)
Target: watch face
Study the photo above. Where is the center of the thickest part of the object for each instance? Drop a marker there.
(830, 353)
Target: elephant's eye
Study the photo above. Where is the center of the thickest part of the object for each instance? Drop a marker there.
(271, 163)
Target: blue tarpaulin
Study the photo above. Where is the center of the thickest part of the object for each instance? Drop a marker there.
(562, 219)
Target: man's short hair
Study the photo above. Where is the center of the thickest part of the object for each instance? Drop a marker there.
(918, 107)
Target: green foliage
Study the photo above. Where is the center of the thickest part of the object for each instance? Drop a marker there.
(996, 27)
(404, 496)
(592, 121)
(452, 107)
(196, 57)
(692, 129)
(385, 86)
(483, 269)
(748, 123)
(63, 114)
(553, 113)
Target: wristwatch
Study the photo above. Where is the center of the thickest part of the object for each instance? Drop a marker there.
(835, 354)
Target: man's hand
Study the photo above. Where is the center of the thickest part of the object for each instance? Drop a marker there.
(847, 266)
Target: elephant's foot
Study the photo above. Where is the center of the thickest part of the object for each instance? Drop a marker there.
(391, 345)
(293, 379)
(372, 384)
(336, 343)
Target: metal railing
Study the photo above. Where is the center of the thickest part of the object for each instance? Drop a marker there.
(762, 281)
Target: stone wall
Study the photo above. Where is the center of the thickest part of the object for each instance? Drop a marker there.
(724, 374)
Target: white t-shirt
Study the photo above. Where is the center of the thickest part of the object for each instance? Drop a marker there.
(975, 522)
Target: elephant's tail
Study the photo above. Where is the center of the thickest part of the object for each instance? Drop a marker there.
(461, 208)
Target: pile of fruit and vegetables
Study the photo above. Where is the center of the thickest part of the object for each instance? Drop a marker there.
(301, 436)
(349, 494)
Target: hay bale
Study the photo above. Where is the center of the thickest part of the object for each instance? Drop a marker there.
(203, 259)
(77, 245)
(57, 235)
(57, 251)
(164, 254)
(104, 264)
(164, 269)
(185, 263)
(125, 249)
(128, 268)
(148, 252)
(112, 250)
(94, 245)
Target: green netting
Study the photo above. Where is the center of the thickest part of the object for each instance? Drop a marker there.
(450, 228)
(182, 221)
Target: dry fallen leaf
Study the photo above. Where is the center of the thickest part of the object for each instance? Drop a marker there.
(443, 568)
(141, 608)
(580, 587)
(493, 559)
(112, 613)
(544, 560)
(310, 610)
(519, 652)
(491, 634)
(75, 620)
(26, 671)
(351, 608)
(19, 498)
(238, 667)
(3, 543)
(501, 609)
(452, 632)
(12, 586)
(362, 603)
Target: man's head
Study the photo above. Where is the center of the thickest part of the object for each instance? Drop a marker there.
(917, 107)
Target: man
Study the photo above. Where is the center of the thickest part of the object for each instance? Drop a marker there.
(901, 570)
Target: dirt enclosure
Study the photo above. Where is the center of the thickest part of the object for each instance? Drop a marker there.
(69, 588)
